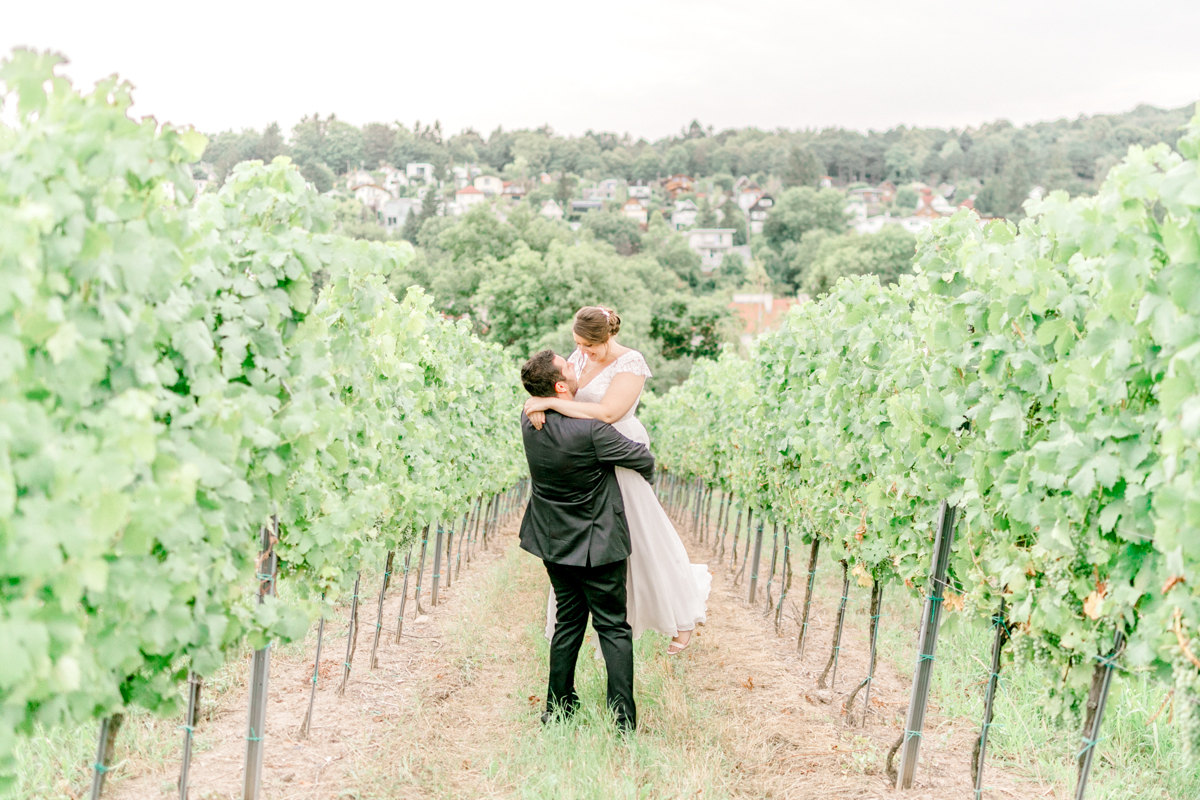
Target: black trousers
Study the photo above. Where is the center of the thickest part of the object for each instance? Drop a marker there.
(600, 591)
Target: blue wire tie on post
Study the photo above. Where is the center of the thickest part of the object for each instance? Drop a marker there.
(100, 768)
(912, 734)
(187, 728)
(1088, 744)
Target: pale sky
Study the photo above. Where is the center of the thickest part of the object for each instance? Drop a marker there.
(646, 68)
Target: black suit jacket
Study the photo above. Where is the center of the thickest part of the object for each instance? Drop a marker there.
(575, 515)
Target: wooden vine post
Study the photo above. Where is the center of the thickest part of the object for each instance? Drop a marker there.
(808, 592)
(758, 541)
(260, 670)
(837, 634)
(437, 564)
(351, 637)
(914, 723)
(387, 575)
(403, 596)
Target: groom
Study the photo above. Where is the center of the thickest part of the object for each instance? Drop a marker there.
(575, 523)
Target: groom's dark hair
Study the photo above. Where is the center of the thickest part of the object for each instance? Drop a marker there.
(540, 373)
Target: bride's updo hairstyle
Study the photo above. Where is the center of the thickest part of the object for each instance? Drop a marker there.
(596, 324)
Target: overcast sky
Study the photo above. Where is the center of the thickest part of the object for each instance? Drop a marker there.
(646, 68)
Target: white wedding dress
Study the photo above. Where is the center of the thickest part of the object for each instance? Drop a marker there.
(665, 592)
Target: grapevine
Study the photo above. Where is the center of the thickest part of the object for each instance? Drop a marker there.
(1042, 377)
(173, 371)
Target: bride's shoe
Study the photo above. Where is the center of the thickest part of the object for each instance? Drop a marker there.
(679, 643)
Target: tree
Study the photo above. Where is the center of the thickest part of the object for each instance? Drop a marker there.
(802, 168)
(707, 216)
(342, 149)
(271, 144)
(565, 190)
(802, 209)
(690, 327)
(378, 140)
(888, 254)
(902, 166)
(615, 228)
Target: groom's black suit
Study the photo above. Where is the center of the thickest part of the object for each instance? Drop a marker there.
(575, 523)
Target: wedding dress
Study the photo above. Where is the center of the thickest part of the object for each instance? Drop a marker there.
(665, 592)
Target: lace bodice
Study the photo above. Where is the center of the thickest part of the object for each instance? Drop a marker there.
(594, 392)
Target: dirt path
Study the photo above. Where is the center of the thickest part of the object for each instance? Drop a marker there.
(452, 711)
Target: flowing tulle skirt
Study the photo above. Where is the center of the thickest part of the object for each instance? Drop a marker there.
(665, 591)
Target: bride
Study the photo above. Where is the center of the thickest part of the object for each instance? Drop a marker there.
(665, 592)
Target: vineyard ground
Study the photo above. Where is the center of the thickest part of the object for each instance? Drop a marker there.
(452, 712)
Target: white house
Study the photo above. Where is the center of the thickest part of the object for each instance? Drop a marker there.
(490, 185)
(875, 224)
(462, 176)
(684, 214)
(748, 196)
(395, 212)
(712, 244)
(393, 179)
(551, 210)
(419, 171)
(759, 211)
(468, 196)
(639, 190)
(635, 211)
(513, 191)
(372, 195)
(604, 190)
(357, 178)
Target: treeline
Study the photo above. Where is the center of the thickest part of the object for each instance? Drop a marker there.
(521, 279)
(998, 162)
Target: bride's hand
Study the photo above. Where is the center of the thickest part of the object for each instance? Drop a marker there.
(538, 404)
(535, 409)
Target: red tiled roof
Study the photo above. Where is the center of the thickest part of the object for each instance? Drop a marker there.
(755, 317)
(468, 190)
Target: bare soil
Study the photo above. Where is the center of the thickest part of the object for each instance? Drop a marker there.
(431, 718)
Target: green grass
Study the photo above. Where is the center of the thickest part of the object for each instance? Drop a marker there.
(1134, 759)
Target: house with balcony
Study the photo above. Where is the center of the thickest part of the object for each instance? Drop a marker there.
(420, 171)
(759, 211)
